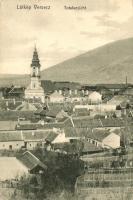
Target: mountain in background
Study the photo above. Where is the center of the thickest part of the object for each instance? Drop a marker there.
(110, 63)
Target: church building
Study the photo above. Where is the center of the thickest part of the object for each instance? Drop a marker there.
(34, 90)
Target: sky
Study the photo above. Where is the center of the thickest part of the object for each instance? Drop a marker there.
(59, 34)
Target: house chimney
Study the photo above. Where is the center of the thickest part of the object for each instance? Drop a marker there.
(83, 91)
(7, 103)
(87, 92)
(55, 129)
(60, 91)
(76, 92)
(33, 133)
(42, 122)
(14, 101)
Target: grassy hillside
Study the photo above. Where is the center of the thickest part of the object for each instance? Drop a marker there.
(107, 64)
(110, 63)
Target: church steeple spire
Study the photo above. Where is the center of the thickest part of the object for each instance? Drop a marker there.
(35, 64)
(35, 59)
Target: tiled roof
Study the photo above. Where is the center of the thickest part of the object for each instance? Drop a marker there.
(58, 145)
(52, 112)
(51, 136)
(96, 134)
(25, 106)
(8, 125)
(76, 132)
(117, 100)
(35, 135)
(16, 90)
(61, 120)
(38, 105)
(36, 126)
(89, 147)
(74, 147)
(32, 135)
(13, 115)
(28, 126)
(31, 161)
(10, 136)
(109, 122)
(99, 134)
(79, 122)
(38, 111)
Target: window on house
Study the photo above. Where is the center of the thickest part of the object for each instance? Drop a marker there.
(10, 147)
(71, 140)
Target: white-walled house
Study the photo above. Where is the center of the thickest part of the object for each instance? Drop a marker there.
(104, 138)
(11, 140)
(56, 97)
(95, 97)
(28, 139)
(35, 138)
(100, 107)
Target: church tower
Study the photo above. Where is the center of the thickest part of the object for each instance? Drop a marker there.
(34, 90)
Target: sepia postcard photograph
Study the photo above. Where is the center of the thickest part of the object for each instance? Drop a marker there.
(66, 99)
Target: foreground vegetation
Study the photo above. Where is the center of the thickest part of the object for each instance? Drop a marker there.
(56, 183)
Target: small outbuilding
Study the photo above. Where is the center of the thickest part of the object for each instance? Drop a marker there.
(32, 163)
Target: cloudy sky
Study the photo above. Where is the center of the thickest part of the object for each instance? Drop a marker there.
(59, 34)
